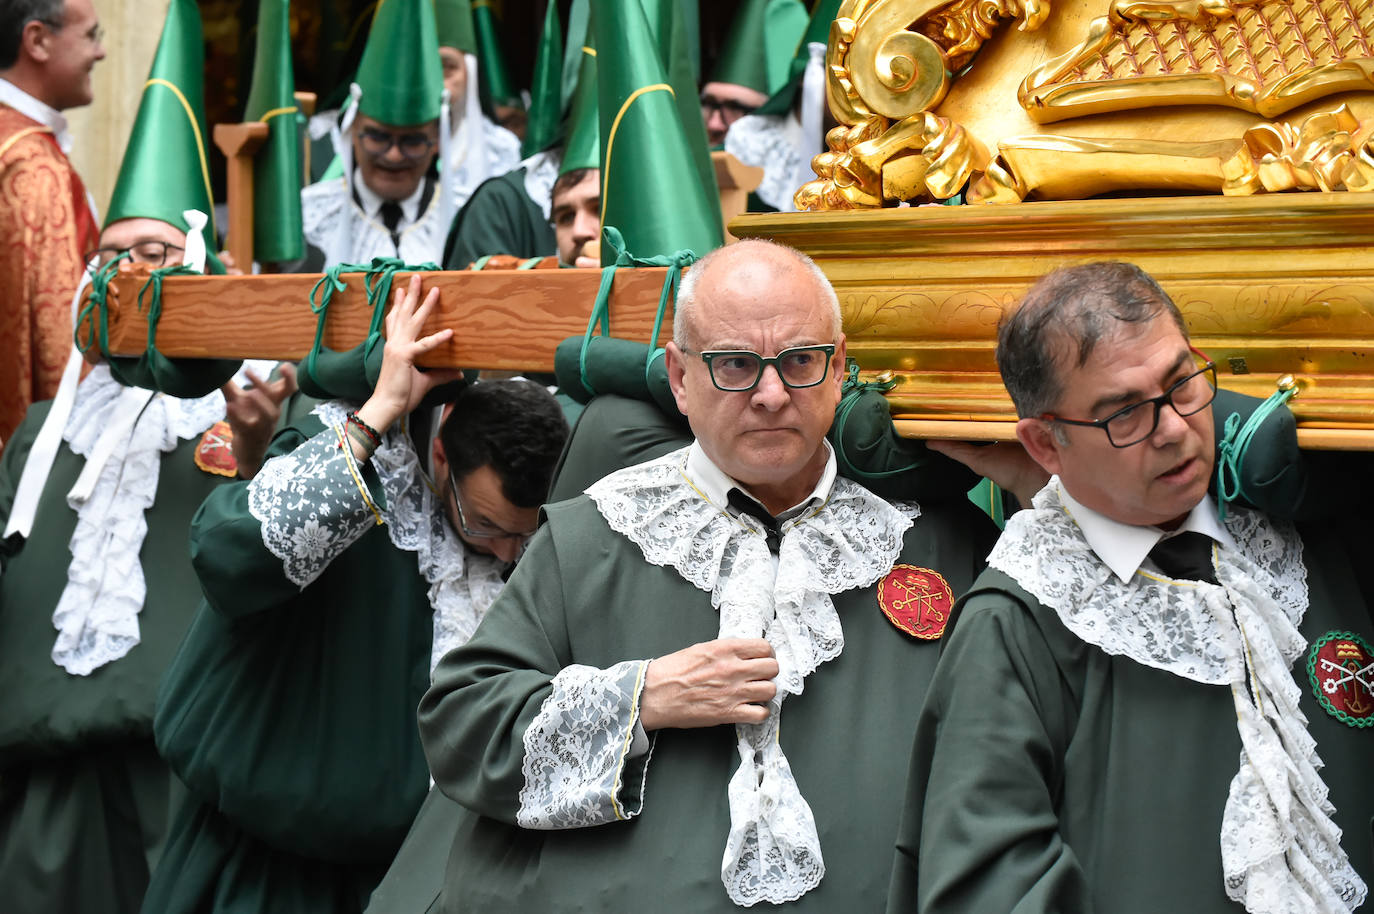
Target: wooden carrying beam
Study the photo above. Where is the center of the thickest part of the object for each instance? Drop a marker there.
(503, 320)
(239, 143)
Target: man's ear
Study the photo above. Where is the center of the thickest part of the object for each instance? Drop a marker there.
(439, 459)
(34, 41)
(676, 365)
(1038, 438)
(837, 362)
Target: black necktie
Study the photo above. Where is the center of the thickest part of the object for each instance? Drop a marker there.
(391, 218)
(746, 505)
(1185, 557)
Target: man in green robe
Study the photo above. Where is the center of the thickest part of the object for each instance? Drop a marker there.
(696, 687)
(96, 491)
(365, 548)
(1147, 704)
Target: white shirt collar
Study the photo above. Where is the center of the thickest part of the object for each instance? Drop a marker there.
(372, 204)
(1124, 547)
(31, 107)
(715, 485)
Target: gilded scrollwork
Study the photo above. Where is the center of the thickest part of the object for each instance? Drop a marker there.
(920, 158)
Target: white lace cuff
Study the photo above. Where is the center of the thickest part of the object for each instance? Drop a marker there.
(312, 504)
(577, 750)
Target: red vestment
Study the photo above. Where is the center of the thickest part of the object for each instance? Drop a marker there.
(45, 226)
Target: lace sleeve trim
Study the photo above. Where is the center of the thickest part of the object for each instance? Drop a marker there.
(577, 747)
(307, 505)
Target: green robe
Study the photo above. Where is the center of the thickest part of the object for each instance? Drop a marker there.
(1050, 776)
(290, 710)
(84, 800)
(583, 594)
(499, 218)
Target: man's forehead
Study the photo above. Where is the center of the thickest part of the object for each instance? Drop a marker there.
(126, 233)
(364, 121)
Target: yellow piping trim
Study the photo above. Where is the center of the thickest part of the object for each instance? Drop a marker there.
(346, 445)
(615, 126)
(277, 112)
(629, 740)
(27, 131)
(200, 140)
(587, 50)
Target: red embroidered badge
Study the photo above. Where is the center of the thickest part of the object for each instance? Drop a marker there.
(1340, 666)
(916, 600)
(214, 454)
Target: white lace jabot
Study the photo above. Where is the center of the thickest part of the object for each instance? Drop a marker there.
(773, 852)
(122, 432)
(1240, 633)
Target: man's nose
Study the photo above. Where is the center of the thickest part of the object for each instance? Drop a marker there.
(587, 226)
(393, 153)
(508, 548)
(770, 393)
(1170, 427)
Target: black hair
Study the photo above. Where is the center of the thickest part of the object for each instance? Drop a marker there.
(1063, 317)
(569, 181)
(516, 427)
(15, 14)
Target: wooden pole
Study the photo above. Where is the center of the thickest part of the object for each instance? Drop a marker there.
(504, 319)
(736, 181)
(239, 142)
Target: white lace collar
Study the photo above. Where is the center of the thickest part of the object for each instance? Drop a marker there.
(1241, 633)
(462, 583)
(773, 852)
(122, 432)
(1124, 547)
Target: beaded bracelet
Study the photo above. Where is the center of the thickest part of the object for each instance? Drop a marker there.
(368, 430)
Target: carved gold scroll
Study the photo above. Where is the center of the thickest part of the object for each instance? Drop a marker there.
(503, 320)
(1008, 100)
(1269, 285)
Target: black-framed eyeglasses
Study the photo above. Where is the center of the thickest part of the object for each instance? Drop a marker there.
(728, 109)
(153, 253)
(413, 146)
(475, 533)
(1133, 424)
(739, 369)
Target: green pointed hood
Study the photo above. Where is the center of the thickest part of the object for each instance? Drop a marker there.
(400, 75)
(578, 36)
(277, 169)
(546, 97)
(668, 23)
(453, 21)
(762, 41)
(583, 146)
(165, 168)
(491, 59)
(644, 146)
(817, 30)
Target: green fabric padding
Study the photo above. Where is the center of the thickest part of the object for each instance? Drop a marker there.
(613, 366)
(648, 137)
(277, 229)
(453, 25)
(400, 75)
(869, 451)
(183, 378)
(761, 45)
(166, 167)
(351, 374)
(544, 127)
(817, 29)
(1277, 477)
(495, 83)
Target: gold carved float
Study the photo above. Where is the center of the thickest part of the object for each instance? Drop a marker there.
(1186, 120)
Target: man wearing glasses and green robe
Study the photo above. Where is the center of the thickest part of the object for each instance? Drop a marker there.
(696, 687)
(1146, 703)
